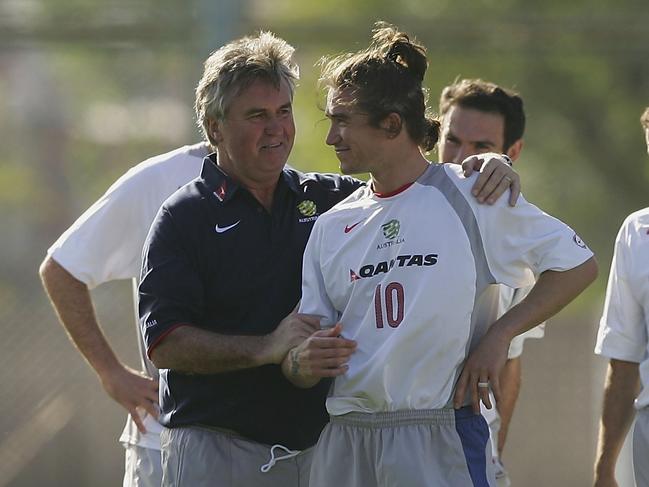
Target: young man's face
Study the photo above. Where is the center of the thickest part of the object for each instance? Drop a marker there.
(256, 136)
(356, 142)
(467, 131)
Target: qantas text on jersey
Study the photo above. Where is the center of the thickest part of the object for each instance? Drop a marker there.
(370, 270)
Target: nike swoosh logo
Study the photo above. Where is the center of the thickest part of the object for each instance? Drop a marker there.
(350, 228)
(225, 229)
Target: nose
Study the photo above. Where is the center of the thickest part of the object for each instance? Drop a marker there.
(462, 153)
(273, 126)
(333, 136)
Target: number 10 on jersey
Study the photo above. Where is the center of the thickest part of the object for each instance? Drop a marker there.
(389, 304)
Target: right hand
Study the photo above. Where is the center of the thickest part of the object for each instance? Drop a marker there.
(292, 331)
(324, 354)
(134, 391)
(496, 177)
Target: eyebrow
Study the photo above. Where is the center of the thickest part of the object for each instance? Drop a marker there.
(255, 110)
(487, 142)
(337, 115)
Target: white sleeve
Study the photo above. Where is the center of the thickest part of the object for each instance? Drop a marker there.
(622, 331)
(521, 242)
(315, 300)
(105, 242)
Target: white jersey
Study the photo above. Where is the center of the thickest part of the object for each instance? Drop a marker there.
(624, 325)
(412, 277)
(105, 243)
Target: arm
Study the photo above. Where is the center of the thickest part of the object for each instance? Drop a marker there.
(73, 304)
(552, 291)
(510, 386)
(172, 305)
(192, 350)
(496, 177)
(622, 386)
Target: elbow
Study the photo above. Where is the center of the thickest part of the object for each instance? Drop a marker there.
(159, 357)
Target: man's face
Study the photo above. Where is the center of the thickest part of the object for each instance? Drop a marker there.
(467, 131)
(256, 136)
(356, 142)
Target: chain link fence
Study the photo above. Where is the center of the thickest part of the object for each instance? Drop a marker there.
(57, 426)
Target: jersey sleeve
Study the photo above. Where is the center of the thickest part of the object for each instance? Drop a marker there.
(315, 300)
(521, 242)
(622, 331)
(171, 289)
(105, 242)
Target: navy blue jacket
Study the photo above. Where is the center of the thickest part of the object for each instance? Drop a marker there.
(217, 260)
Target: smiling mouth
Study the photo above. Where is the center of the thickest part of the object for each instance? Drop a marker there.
(271, 146)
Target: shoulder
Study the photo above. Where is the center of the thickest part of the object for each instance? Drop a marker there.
(635, 228)
(637, 222)
(175, 167)
(324, 181)
(447, 177)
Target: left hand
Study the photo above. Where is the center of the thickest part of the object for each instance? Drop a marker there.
(483, 366)
(496, 176)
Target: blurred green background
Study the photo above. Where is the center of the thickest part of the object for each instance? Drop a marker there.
(89, 89)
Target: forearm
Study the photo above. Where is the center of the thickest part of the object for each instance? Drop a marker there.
(552, 291)
(193, 350)
(72, 302)
(73, 305)
(622, 386)
(510, 384)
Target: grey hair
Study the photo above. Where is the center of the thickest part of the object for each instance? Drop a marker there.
(232, 68)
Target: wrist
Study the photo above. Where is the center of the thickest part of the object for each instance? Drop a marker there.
(110, 369)
(266, 353)
(605, 467)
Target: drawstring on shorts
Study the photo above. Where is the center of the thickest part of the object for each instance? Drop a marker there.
(273, 459)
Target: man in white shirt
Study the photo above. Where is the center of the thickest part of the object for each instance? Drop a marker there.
(623, 338)
(105, 244)
(405, 268)
(478, 117)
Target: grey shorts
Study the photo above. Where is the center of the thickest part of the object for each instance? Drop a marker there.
(416, 448)
(194, 457)
(641, 448)
(142, 467)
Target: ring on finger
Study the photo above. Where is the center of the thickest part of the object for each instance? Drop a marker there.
(483, 384)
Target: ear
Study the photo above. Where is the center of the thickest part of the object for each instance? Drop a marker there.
(214, 131)
(392, 125)
(515, 149)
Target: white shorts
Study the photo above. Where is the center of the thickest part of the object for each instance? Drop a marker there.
(196, 457)
(413, 448)
(142, 467)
